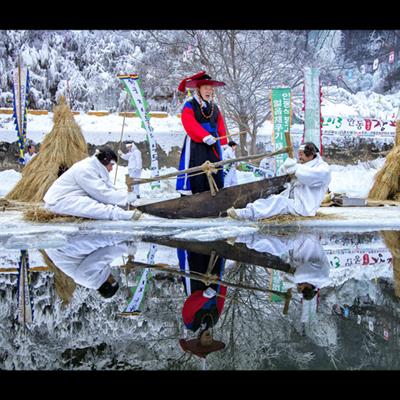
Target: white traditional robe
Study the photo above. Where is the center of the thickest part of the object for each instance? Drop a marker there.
(87, 262)
(230, 179)
(86, 190)
(303, 195)
(28, 157)
(134, 158)
(302, 251)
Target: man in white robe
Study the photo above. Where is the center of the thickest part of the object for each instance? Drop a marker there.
(303, 195)
(85, 190)
(30, 153)
(134, 158)
(230, 174)
(305, 253)
(88, 262)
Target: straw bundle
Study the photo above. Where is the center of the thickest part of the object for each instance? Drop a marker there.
(61, 148)
(38, 214)
(387, 181)
(288, 218)
(64, 285)
(392, 242)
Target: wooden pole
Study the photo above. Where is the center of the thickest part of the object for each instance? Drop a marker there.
(231, 134)
(289, 144)
(207, 279)
(215, 165)
(119, 148)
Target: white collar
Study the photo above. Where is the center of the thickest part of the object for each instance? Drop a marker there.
(200, 101)
(98, 163)
(314, 161)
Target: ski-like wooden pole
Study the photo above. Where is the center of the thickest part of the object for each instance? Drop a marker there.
(207, 279)
(231, 134)
(200, 168)
(289, 144)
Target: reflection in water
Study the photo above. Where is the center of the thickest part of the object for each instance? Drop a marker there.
(87, 262)
(205, 301)
(305, 253)
(313, 301)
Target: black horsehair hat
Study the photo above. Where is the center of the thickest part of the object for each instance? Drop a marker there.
(105, 155)
(309, 148)
(108, 289)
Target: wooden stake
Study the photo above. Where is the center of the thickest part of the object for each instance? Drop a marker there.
(119, 148)
(289, 144)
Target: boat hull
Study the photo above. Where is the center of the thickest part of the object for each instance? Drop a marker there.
(203, 204)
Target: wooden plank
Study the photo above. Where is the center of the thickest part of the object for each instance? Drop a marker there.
(127, 114)
(203, 204)
(38, 112)
(98, 113)
(32, 269)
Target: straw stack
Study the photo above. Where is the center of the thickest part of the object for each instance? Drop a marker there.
(387, 181)
(392, 242)
(64, 285)
(60, 149)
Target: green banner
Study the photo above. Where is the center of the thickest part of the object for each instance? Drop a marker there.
(281, 116)
(276, 283)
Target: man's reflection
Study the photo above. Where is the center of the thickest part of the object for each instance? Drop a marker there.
(88, 262)
(204, 303)
(305, 253)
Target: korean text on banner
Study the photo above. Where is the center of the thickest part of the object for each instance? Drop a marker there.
(141, 283)
(132, 86)
(20, 94)
(281, 114)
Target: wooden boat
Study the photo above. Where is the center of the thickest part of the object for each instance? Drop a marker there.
(236, 251)
(203, 204)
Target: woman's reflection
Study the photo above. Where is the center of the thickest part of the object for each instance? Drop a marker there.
(204, 303)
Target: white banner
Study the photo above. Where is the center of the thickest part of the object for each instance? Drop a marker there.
(350, 257)
(312, 107)
(357, 126)
(131, 83)
(139, 292)
(20, 91)
(141, 284)
(25, 311)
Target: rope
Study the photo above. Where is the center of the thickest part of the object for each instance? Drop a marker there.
(209, 169)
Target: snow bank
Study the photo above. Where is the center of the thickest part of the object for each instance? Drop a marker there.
(8, 179)
(355, 180)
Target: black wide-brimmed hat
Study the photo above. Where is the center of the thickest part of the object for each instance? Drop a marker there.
(195, 81)
(194, 346)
